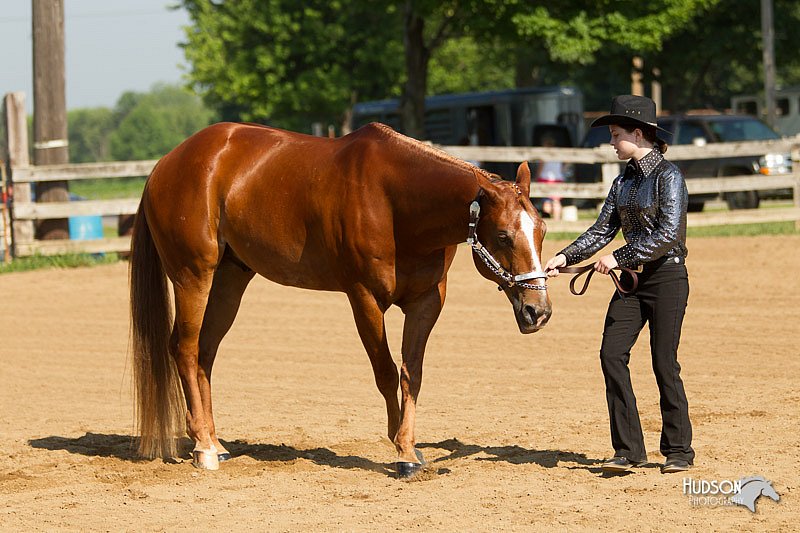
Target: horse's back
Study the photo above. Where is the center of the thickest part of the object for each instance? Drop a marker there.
(293, 207)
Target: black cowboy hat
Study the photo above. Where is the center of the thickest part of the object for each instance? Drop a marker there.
(630, 110)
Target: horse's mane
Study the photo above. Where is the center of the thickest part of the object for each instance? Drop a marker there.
(746, 480)
(427, 149)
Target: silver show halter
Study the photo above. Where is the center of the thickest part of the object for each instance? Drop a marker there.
(492, 263)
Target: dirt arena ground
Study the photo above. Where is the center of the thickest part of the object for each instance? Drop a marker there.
(514, 427)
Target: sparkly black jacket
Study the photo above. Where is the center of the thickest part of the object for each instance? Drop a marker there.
(648, 202)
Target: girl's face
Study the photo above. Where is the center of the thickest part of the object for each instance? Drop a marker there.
(625, 143)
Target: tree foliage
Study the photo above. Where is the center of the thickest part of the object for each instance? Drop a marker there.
(719, 54)
(141, 125)
(89, 130)
(464, 65)
(156, 122)
(573, 31)
(292, 63)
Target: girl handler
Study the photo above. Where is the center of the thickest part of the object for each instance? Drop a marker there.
(648, 202)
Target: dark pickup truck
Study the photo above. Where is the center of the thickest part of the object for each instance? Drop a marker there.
(700, 130)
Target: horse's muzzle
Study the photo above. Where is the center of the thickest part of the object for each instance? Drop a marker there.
(531, 319)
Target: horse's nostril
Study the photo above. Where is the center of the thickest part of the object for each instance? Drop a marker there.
(529, 312)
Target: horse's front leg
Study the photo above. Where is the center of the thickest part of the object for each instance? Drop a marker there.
(421, 315)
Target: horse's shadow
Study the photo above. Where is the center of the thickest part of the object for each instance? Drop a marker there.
(514, 454)
(91, 445)
(518, 455)
(123, 447)
(319, 456)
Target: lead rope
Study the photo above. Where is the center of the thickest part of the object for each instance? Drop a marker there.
(581, 270)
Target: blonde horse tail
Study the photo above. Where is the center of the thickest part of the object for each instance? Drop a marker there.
(159, 405)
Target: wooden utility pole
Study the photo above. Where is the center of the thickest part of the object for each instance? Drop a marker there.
(768, 40)
(50, 145)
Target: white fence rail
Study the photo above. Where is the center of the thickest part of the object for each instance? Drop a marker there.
(605, 153)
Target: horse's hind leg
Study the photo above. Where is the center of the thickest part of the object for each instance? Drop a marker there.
(369, 319)
(230, 282)
(191, 296)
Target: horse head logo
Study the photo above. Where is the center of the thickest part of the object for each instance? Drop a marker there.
(752, 488)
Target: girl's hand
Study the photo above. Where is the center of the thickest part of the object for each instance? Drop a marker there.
(553, 265)
(605, 264)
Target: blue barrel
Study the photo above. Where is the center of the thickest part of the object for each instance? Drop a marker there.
(86, 227)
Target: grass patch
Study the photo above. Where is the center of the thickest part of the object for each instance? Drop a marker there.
(562, 235)
(745, 230)
(108, 189)
(39, 262)
(734, 230)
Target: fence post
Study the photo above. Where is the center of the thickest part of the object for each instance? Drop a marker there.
(609, 172)
(18, 157)
(5, 221)
(796, 194)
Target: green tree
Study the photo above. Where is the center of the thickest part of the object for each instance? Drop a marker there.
(89, 131)
(151, 124)
(464, 65)
(573, 31)
(292, 63)
(704, 51)
(719, 54)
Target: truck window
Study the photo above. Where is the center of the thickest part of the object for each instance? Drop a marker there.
(558, 134)
(782, 106)
(668, 125)
(747, 107)
(741, 130)
(596, 136)
(689, 131)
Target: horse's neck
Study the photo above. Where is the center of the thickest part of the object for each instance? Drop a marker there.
(440, 214)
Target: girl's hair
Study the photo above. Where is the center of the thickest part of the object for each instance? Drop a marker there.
(649, 134)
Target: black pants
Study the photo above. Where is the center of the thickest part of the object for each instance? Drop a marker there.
(660, 301)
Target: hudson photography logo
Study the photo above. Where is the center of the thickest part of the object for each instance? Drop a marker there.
(728, 493)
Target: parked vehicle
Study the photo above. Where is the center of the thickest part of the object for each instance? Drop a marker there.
(787, 108)
(701, 130)
(515, 117)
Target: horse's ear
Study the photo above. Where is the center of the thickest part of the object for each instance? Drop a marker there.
(524, 178)
(489, 188)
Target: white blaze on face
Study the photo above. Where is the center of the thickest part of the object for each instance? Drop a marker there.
(527, 226)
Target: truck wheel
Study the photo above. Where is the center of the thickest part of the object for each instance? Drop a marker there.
(742, 200)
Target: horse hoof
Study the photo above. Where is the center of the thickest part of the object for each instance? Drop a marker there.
(226, 456)
(205, 460)
(406, 470)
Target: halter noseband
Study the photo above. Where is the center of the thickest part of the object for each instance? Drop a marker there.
(492, 263)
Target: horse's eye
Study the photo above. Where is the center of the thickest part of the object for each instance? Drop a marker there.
(504, 238)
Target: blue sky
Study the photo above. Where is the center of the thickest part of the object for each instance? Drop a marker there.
(112, 46)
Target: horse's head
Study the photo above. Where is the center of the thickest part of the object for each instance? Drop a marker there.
(759, 486)
(508, 246)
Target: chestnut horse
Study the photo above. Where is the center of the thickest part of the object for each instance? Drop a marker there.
(373, 214)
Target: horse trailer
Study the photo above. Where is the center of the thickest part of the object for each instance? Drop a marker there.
(514, 117)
